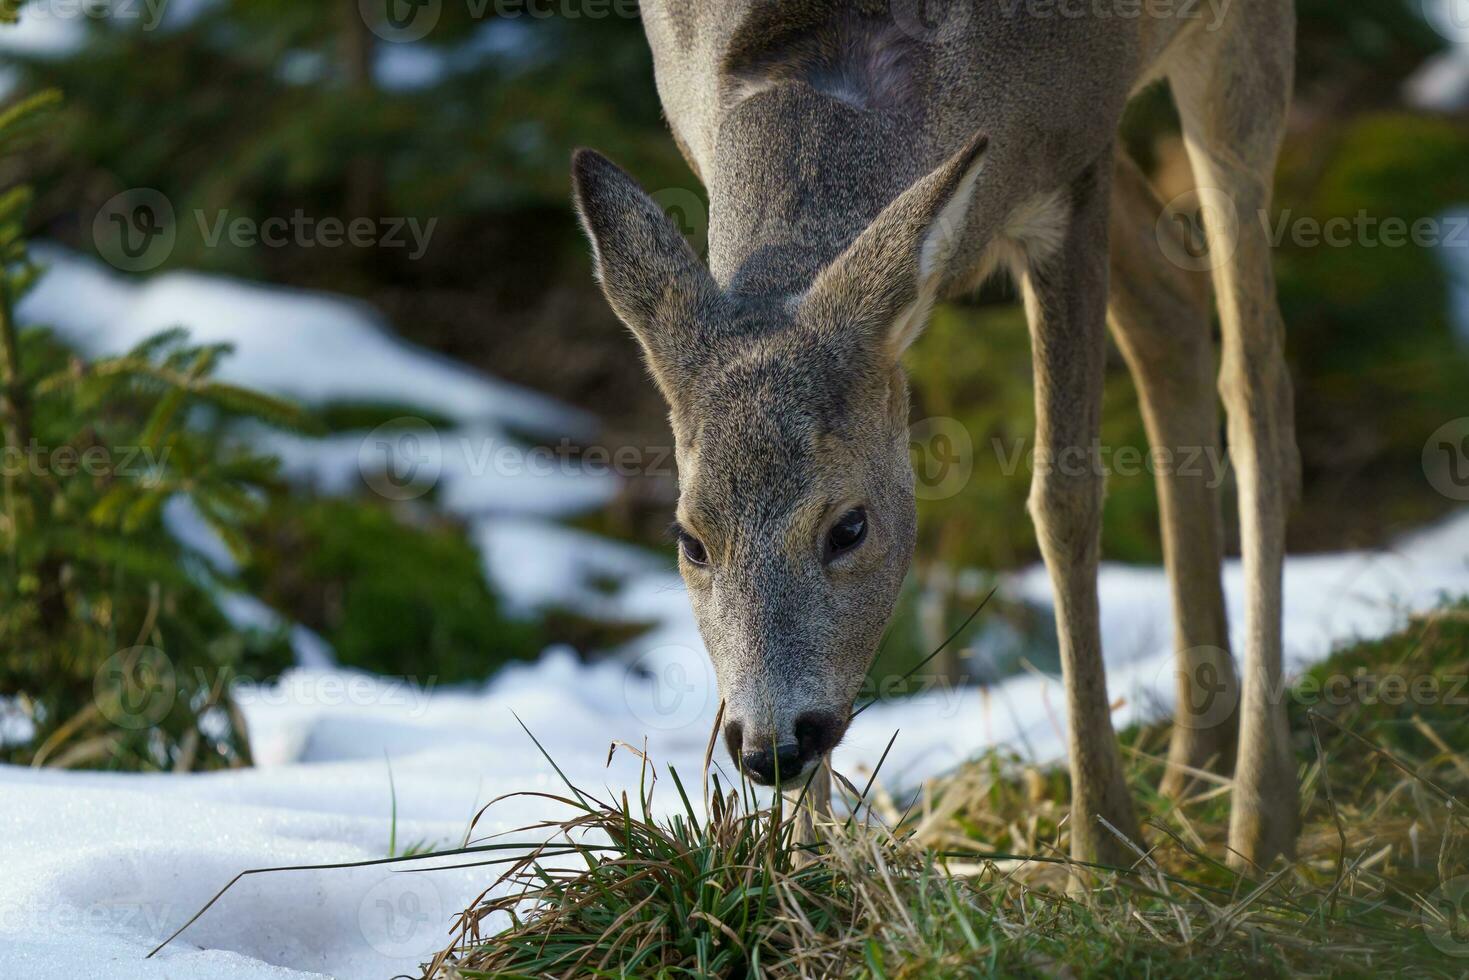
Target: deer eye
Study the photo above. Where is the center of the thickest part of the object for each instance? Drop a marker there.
(846, 533)
(692, 547)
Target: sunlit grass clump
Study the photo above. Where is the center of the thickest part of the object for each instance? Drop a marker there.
(742, 890)
(970, 876)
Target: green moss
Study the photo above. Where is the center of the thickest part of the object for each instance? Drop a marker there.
(390, 596)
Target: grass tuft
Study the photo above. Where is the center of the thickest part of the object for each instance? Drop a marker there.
(969, 877)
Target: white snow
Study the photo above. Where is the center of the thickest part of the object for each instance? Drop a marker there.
(1454, 254)
(42, 34)
(101, 867)
(1441, 84)
(477, 470)
(567, 564)
(313, 347)
(58, 28)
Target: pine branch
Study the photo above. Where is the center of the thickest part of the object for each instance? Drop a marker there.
(15, 412)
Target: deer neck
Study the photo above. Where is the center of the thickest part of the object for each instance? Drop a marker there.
(797, 176)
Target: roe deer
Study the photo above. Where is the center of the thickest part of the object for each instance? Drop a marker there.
(863, 162)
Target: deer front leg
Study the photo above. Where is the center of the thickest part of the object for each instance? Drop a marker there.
(1066, 299)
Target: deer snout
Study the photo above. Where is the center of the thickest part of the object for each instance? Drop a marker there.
(784, 758)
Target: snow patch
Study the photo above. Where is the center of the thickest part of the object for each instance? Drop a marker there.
(313, 347)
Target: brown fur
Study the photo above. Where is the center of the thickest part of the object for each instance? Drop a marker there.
(849, 189)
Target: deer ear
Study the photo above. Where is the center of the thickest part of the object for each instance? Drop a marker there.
(887, 280)
(653, 280)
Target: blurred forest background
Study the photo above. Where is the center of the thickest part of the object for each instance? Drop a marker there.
(269, 107)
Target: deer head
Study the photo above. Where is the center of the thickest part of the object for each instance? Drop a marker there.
(796, 515)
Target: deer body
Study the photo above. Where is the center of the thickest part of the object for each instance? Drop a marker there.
(862, 163)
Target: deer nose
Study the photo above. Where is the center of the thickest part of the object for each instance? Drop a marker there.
(764, 761)
(766, 766)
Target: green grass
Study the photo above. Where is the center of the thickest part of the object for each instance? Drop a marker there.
(974, 879)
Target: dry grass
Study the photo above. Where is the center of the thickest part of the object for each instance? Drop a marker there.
(972, 880)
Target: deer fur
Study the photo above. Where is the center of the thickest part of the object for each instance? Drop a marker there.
(862, 162)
